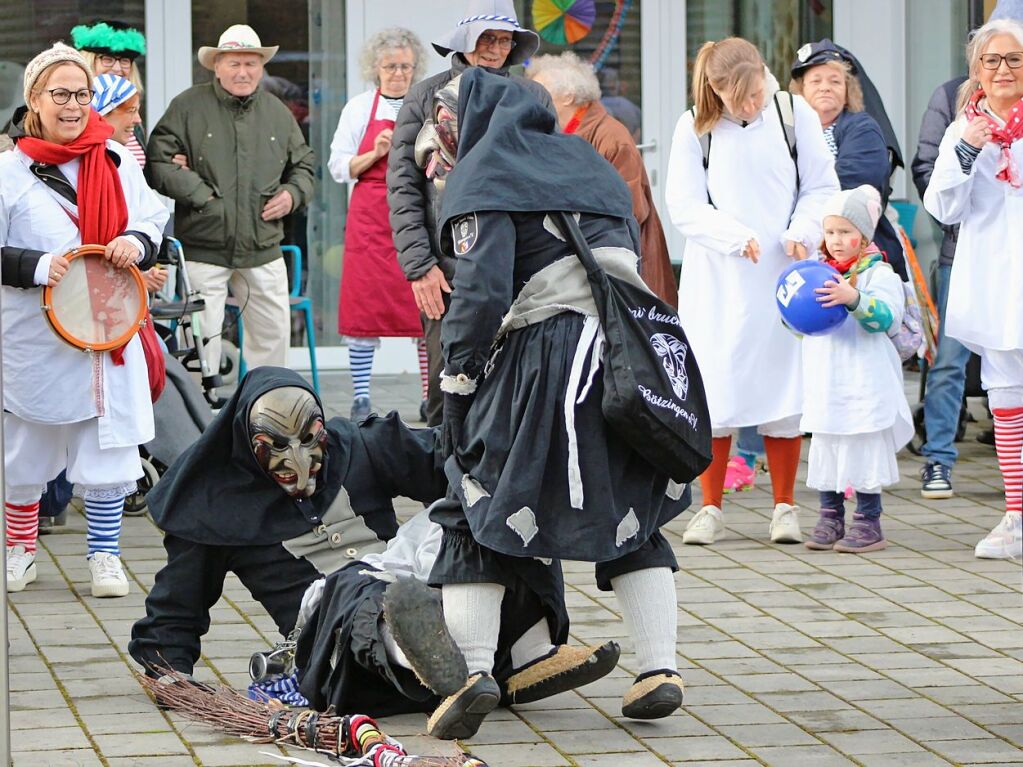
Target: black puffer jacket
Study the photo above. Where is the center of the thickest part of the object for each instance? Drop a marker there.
(941, 111)
(414, 201)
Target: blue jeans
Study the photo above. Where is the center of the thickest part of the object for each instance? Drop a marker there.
(750, 441)
(946, 381)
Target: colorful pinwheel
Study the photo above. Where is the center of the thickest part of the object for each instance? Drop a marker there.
(564, 22)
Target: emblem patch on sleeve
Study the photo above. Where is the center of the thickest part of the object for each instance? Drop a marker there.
(465, 231)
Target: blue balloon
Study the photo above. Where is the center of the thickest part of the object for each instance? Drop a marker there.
(797, 301)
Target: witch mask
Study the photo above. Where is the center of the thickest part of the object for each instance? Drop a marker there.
(288, 438)
(437, 143)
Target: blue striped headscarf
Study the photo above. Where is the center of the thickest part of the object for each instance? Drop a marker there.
(110, 92)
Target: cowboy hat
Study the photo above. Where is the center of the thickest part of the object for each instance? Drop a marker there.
(482, 15)
(239, 38)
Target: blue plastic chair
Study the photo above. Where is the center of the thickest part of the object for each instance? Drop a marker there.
(299, 303)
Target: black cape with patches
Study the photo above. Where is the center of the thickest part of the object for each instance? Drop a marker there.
(513, 158)
(216, 494)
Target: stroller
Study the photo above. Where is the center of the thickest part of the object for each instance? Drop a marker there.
(184, 409)
(181, 415)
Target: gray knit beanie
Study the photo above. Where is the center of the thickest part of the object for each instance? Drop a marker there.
(58, 54)
(860, 206)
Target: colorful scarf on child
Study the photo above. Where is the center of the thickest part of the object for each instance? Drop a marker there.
(866, 258)
(1004, 136)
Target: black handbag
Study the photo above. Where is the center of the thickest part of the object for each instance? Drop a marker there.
(653, 392)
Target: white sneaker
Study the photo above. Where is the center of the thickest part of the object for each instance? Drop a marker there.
(705, 527)
(1004, 542)
(785, 524)
(108, 578)
(21, 568)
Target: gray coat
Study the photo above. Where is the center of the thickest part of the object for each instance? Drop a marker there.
(413, 200)
(941, 111)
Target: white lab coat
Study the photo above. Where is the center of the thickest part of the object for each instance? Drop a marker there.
(750, 363)
(46, 381)
(985, 296)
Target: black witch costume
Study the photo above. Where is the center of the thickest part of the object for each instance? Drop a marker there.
(223, 512)
(535, 473)
(342, 659)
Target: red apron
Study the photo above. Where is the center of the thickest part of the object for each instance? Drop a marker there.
(376, 299)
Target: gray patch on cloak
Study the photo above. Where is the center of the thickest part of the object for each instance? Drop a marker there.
(523, 522)
(675, 489)
(627, 528)
(472, 490)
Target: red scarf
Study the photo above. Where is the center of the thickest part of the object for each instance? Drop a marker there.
(102, 210)
(1003, 136)
(573, 124)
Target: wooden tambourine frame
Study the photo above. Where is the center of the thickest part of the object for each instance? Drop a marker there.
(67, 336)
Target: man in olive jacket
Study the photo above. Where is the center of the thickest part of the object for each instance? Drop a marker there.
(488, 36)
(234, 161)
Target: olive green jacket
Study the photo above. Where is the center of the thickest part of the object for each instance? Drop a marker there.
(240, 153)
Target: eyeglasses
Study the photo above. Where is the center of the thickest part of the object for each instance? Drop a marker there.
(1012, 60)
(61, 96)
(108, 61)
(392, 68)
(488, 40)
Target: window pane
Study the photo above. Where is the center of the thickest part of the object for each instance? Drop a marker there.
(777, 27)
(617, 57)
(28, 28)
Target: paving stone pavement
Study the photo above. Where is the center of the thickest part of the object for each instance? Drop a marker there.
(907, 657)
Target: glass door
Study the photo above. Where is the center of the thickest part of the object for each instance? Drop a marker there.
(607, 34)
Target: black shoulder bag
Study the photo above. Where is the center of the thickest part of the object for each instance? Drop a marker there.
(653, 392)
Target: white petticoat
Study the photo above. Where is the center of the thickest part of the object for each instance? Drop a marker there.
(865, 462)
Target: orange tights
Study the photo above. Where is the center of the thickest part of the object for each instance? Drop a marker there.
(782, 458)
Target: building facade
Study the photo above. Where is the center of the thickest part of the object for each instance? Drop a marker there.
(644, 49)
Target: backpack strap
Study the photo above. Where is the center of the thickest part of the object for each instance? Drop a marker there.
(704, 140)
(787, 116)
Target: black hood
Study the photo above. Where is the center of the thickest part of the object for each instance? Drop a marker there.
(15, 129)
(513, 158)
(217, 494)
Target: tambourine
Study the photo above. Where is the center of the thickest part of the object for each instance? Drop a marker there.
(96, 306)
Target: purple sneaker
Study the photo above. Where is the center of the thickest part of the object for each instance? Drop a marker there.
(829, 530)
(864, 535)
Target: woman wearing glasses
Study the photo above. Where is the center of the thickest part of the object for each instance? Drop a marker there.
(376, 299)
(64, 184)
(488, 35)
(111, 48)
(977, 183)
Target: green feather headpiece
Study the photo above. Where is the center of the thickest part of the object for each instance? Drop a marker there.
(101, 37)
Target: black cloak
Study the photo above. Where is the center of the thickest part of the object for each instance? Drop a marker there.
(513, 158)
(189, 500)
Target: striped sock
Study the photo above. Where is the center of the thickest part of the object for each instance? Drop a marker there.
(1008, 445)
(361, 360)
(103, 521)
(424, 366)
(22, 525)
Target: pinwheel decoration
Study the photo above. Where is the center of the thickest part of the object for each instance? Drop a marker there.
(564, 22)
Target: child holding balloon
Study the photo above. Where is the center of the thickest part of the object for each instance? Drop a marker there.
(853, 400)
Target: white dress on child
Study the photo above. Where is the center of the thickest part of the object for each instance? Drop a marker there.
(854, 403)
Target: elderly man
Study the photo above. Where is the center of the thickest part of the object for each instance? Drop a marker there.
(488, 36)
(235, 163)
(575, 92)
